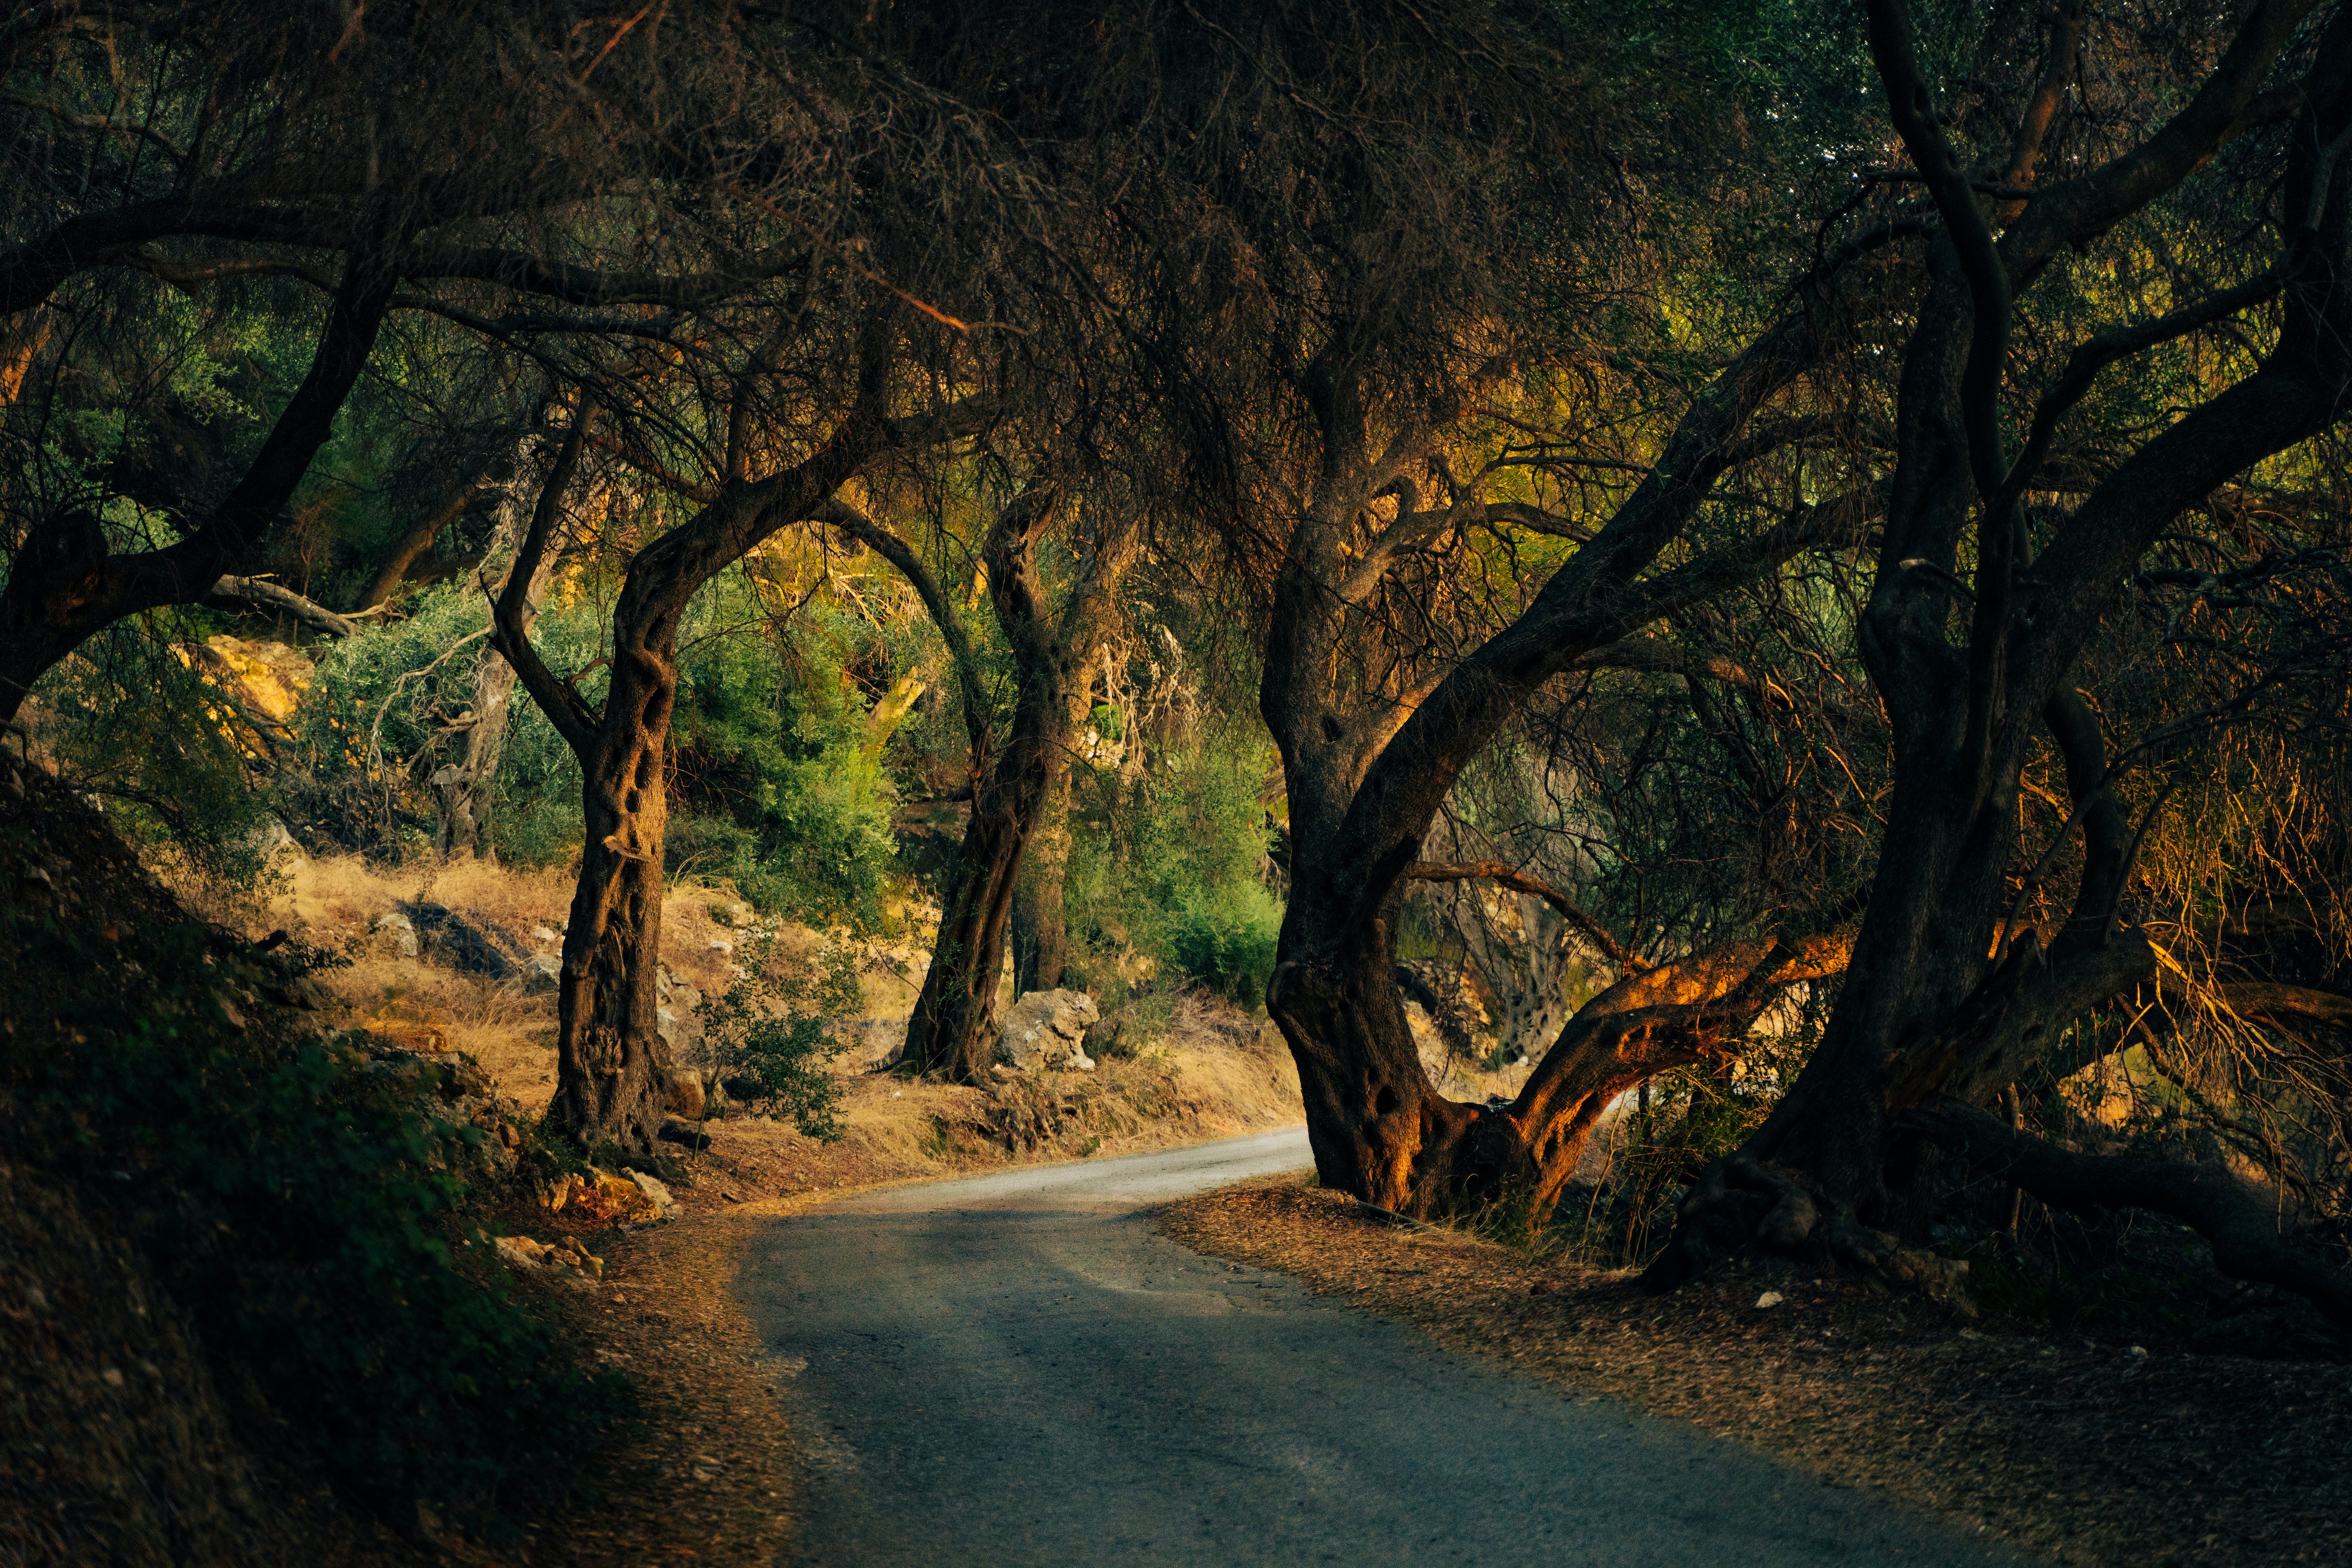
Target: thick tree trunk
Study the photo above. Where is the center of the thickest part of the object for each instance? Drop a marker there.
(611, 1085)
(1944, 1002)
(612, 1066)
(1041, 933)
(949, 1032)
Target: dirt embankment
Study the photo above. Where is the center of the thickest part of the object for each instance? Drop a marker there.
(1210, 1071)
(2079, 1451)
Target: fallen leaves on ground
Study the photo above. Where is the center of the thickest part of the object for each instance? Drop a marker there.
(2081, 1452)
(707, 1476)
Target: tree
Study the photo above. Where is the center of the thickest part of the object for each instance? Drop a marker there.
(1449, 361)
(1949, 999)
(1020, 781)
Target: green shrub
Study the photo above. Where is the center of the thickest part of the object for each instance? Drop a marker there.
(303, 1208)
(770, 1035)
(1173, 866)
(127, 722)
(776, 787)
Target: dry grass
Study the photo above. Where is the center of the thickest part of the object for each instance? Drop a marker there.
(2076, 1450)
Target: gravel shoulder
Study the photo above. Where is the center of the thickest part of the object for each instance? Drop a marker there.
(2076, 1451)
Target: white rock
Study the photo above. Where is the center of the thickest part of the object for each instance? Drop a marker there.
(1770, 1299)
(719, 944)
(656, 1192)
(398, 927)
(1046, 1028)
(545, 934)
(540, 974)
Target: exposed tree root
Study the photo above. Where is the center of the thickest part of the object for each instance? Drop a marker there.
(2235, 1216)
(1739, 1202)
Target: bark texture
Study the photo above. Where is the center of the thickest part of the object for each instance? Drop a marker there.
(611, 1062)
(1942, 1002)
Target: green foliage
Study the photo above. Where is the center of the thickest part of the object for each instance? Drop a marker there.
(776, 789)
(770, 1035)
(301, 1201)
(1173, 867)
(128, 722)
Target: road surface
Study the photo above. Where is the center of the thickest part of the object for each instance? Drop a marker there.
(1014, 1370)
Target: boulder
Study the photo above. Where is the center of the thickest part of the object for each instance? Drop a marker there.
(470, 947)
(274, 842)
(655, 1192)
(1048, 1029)
(397, 928)
(540, 975)
(686, 1095)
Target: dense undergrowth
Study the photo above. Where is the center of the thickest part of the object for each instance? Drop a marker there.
(305, 1201)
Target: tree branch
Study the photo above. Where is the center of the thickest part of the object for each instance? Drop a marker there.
(1519, 881)
(2240, 1222)
(244, 590)
(565, 708)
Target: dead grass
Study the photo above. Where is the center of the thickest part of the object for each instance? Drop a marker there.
(2074, 1449)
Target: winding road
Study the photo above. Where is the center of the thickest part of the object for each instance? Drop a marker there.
(1015, 1370)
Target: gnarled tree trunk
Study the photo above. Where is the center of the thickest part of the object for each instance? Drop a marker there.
(1016, 783)
(610, 1063)
(1944, 1003)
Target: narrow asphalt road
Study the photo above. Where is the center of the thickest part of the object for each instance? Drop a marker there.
(1014, 1370)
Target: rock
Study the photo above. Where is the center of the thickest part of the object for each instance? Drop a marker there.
(273, 841)
(401, 1035)
(1108, 1039)
(540, 974)
(465, 945)
(601, 1198)
(1047, 1029)
(564, 1258)
(685, 1134)
(545, 934)
(722, 945)
(522, 1252)
(402, 931)
(1769, 1298)
(655, 1193)
(686, 1095)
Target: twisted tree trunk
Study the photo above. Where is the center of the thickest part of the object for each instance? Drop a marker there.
(1016, 782)
(1946, 1003)
(611, 1062)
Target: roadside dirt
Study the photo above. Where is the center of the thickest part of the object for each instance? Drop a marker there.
(707, 1476)
(2079, 1451)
